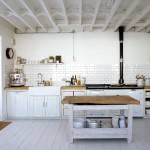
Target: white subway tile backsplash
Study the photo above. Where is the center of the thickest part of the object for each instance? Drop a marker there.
(94, 73)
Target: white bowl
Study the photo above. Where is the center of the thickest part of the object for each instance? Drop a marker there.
(92, 123)
(78, 123)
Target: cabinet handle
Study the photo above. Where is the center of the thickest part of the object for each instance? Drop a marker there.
(46, 104)
(43, 104)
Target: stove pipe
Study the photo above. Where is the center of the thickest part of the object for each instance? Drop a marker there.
(121, 30)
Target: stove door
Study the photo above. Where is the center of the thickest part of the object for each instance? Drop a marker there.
(97, 92)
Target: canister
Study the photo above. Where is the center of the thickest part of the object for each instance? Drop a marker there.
(147, 81)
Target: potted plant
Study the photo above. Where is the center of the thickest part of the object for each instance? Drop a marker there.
(51, 59)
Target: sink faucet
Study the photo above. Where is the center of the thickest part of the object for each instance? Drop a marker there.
(39, 81)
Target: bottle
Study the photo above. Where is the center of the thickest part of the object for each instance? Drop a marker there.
(79, 80)
(75, 80)
(122, 122)
(72, 80)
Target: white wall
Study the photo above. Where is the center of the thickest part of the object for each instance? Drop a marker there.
(90, 48)
(6, 34)
(137, 48)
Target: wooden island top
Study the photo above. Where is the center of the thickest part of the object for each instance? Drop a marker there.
(101, 100)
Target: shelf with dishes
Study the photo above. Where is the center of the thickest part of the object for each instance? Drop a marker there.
(147, 102)
(47, 61)
(116, 121)
(40, 64)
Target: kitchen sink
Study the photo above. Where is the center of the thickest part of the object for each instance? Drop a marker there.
(44, 90)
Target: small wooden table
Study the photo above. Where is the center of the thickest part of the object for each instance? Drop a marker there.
(100, 103)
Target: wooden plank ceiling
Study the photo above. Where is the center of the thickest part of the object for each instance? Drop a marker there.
(46, 16)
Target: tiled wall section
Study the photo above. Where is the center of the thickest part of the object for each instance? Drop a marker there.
(9, 67)
(93, 73)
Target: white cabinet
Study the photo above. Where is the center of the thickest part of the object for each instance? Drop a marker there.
(52, 106)
(65, 106)
(44, 101)
(36, 106)
(17, 103)
(44, 106)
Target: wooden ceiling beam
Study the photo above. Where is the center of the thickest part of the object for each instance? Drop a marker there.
(147, 23)
(33, 14)
(64, 10)
(80, 12)
(137, 18)
(112, 12)
(98, 2)
(33, 29)
(22, 29)
(132, 6)
(46, 9)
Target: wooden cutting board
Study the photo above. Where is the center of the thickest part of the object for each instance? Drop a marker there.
(101, 100)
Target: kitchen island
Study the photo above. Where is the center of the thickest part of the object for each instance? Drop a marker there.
(100, 103)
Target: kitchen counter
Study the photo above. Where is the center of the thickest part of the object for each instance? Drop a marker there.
(17, 88)
(111, 100)
(73, 88)
(146, 87)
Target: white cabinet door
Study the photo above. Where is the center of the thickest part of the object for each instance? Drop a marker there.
(36, 106)
(138, 110)
(52, 104)
(17, 104)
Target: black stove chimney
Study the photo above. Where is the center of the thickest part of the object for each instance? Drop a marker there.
(121, 30)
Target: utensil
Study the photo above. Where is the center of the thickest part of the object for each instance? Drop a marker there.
(140, 76)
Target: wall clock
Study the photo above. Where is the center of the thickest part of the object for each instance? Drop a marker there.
(9, 53)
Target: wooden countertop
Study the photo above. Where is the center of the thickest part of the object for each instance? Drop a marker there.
(73, 88)
(111, 100)
(146, 87)
(17, 88)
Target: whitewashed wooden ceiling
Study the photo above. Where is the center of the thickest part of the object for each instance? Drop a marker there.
(34, 16)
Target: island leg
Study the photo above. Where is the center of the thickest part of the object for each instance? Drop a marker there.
(130, 120)
(70, 123)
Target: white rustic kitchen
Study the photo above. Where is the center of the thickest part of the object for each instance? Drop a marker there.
(75, 75)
